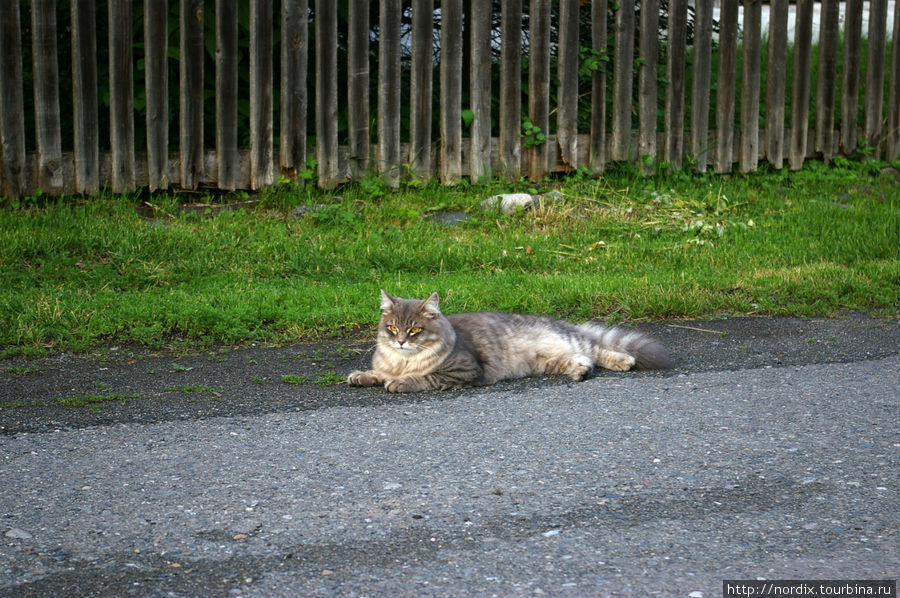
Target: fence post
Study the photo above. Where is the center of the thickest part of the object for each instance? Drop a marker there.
(262, 153)
(389, 92)
(825, 89)
(191, 93)
(294, 99)
(800, 96)
(358, 87)
(893, 145)
(725, 83)
(84, 96)
(539, 86)
(750, 86)
(852, 62)
(567, 114)
(326, 93)
(420, 89)
(121, 95)
(700, 99)
(156, 57)
(12, 107)
(675, 67)
(620, 144)
(46, 96)
(648, 56)
(875, 75)
(451, 91)
(775, 83)
(227, 93)
(511, 89)
(480, 93)
(598, 87)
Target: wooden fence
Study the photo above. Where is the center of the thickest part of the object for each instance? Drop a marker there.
(627, 130)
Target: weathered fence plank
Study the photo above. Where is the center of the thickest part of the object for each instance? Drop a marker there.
(874, 132)
(262, 154)
(389, 92)
(46, 96)
(750, 77)
(776, 83)
(451, 91)
(12, 105)
(852, 63)
(326, 93)
(800, 95)
(191, 93)
(620, 142)
(700, 84)
(511, 89)
(86, 135)
(676, 57)
(480, 92)
(826, 83)
(121, 95)
(421, 79)
(294, 97)
(227, 93)
(567, 112)
(358, 87)
(597, 157)
(726, 81)
(648, 56)
(893, 139)
(538, 154)
(156, 58)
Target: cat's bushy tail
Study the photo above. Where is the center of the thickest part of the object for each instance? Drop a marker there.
(648, 353)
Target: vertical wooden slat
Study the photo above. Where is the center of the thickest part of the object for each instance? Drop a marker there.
(893, 145)
(647, 89)
(326, 93)
(84, 91)
(451, 91)
(567, 113)
(776, 79)
(46, 96)
(538, 155)
(420, 88)
(156, 58)
(800, 95)
(389, 92)
(358, 87)
(121, 95)
(675, 67)
(294, 99)
(750, 77)
(826, 85)
(875, 75)
(191, 93)
(12, 105)
(850, 84)
(598, 87)
(700, 84)
(620, 142)
(511, 89)
(262, 153)
(480, 92)
(725, 82)
(227, 93)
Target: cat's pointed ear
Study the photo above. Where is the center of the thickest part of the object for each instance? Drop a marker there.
(430, 306)
(387, 302)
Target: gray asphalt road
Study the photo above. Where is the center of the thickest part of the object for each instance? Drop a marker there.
(771, 451)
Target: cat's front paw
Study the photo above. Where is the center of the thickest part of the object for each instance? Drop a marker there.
(363, 379)
(404, 384)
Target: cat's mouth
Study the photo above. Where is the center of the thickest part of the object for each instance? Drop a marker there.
(406, 348)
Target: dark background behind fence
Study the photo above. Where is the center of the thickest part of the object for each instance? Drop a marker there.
(238, 94)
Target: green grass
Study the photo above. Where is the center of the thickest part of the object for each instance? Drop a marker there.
(78, 273)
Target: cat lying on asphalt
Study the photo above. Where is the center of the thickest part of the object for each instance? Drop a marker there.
(419, 348)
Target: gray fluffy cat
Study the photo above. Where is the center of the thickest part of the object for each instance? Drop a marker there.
(419, 348)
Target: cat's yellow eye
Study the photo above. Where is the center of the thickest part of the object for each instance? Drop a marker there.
(416, 330)
(393, 329)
